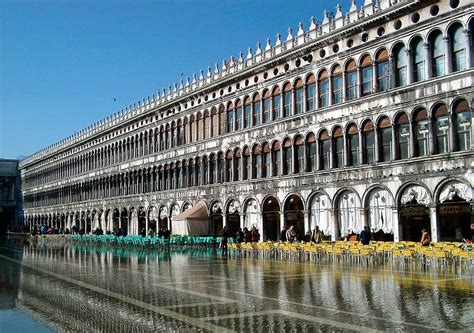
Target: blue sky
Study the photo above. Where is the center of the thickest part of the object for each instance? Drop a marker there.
(62, 62)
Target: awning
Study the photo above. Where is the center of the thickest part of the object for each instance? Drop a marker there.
(197, 212)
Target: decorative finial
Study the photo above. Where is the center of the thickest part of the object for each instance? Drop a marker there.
(259, 48)
(268, 45)
(278, 40)
(249, 53)
(300, 29)
(290, 34)
(312, 23)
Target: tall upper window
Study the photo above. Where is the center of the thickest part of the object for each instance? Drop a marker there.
(338, 148)
(266, 160)
(276, 159)
(324, 150)
(266, 107)
(351, 79)
(256, 163)
(462, 117)
(192, 126)
(246, 172)
(222, 119)
(247, 113)
(206, 125)
(287, 100)
(220, 168)
(299, 95)
(367, 75)
(256, 110)
(385, 140)
(299, 154)
(368, 136)
(276, 103)
(205, 175)
(228, 166)
(180, 133)
(353, 145)
(311, 92)
(403, 136)
(383, 70)
(185, 131)
(336, 84)
(238, 115)
(323, 83)
(422, 132)
(287, 160)
(400, 63)
(437, 50)
(230, 118)
(200, 127)
(212, 169)
(458, 48)
(441, 129)
(418, 59)
(311, 152)
(215, 122)
(237, 164)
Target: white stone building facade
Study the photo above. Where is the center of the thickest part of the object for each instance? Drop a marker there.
(362, 118)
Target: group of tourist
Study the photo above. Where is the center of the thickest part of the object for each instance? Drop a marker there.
(246, 235)
(162, 233)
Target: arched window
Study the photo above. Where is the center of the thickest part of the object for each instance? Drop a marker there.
(276, 159)
(400, 64)
(383, 70)
(238, 115)
(385, 140)
(212, 169)
(287, 160)
(311, 152)
(462, 118)
(351, 80)
(230, 118)
(402, 132)
(197, 172)
(287, 100)
(228, 166)
(338, 147)
(191, 174)
(220, 167)
(441, 129)
(311, 93)
(266, 107)
(299, 95)
(367, 75)
(336, 84)
(192, 126)
(256, 110)
(200, 127)
(206, 125)
(185, 131)
(323, 83)
(437, 51)
(352, 145)
(168, 137)
(324, 150)
(173, 135)
(368, 141)
(256, 163)
(246, 172)
(180, 133)
(215, 122)
(266, 160)
(237, 164)
(458, 48)
(247, 112)
(276, 103)
(418, 59)
(422, 131)
(222, 119)
(299, 154)
(162, 138)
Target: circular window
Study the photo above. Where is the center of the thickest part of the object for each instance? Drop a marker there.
(381, 31)
(275, 71)
(434, 10)
(415, 18)
(298, 63)
(265, 75)
(206, 98)
(237, 86)
(350, 43)
(179, 108)
(192, 103)
(287, 67)
(322, 53)
(229, 89)
(199, 101)
(397, 25)
(365, 37)
(454, 3)
(185, 105)
(221, 92)
(246, 83)
(214, 94)
(255, 79)
(335, 48)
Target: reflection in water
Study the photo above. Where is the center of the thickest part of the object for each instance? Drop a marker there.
(88, 288)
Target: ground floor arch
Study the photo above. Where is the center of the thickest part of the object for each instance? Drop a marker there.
(320, 213)
(348, 214)
(380, 211)
(270, 219)
(414, 214)
(216, 220)
(294, 214)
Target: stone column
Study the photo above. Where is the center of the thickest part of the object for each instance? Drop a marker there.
(409, 67)
(377, 144)
(307, 227)
(330, 85)
(293, 102)
(224, 220)
(333, 223)
(427, 56)
(305, 98)
(469, 49)
(411, 143)
(375, 82)
(435, 232)
(146, 225)
(242, 220)
(447, 51)
(395, 225)
(282, 220)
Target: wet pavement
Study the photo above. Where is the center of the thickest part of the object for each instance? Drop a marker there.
(87, 288)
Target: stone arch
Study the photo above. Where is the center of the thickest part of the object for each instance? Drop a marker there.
(271, 210)
(216, 213)
(413, 200)
(348, 212)
(379, 205)
(320, 210)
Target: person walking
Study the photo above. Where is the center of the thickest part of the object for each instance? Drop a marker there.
(365, 236)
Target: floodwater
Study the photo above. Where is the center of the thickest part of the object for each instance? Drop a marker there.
(97, 289)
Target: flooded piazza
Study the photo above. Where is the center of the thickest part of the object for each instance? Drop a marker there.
(100, 289)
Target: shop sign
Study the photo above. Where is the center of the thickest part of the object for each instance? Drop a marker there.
(454, 209)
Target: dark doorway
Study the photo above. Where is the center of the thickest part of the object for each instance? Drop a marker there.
(455, 220)
(271, 219)
(414, 218)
